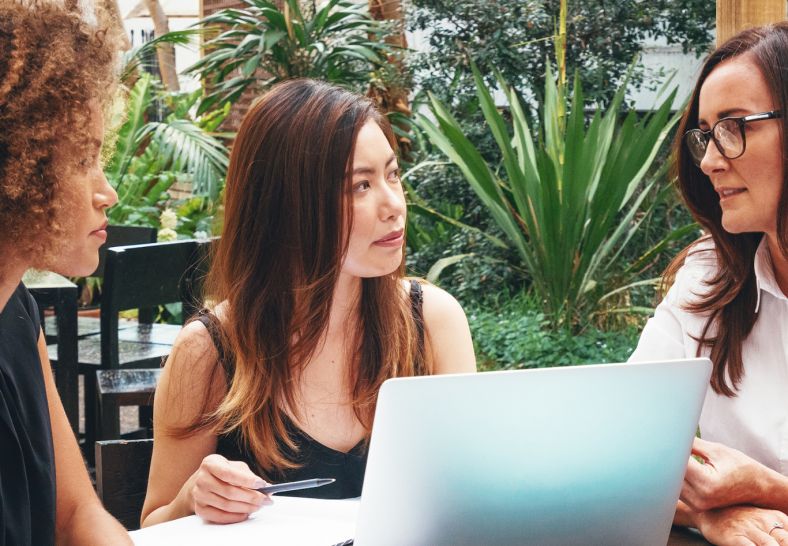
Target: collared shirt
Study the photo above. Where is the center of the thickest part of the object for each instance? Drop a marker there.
(755, 421)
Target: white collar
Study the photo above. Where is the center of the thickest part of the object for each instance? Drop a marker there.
(764, 274)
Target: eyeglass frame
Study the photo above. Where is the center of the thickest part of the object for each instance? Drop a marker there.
(741, 121)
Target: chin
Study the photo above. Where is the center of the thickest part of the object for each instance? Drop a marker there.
(76, 268)
(732, 226)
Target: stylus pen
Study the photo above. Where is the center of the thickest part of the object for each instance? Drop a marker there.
(293, 486)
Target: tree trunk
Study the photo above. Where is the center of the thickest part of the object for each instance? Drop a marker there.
(165, 52)
(393, 91)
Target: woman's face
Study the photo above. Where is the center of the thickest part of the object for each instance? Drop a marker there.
(378, 233)
(749, 186)
(86, 196)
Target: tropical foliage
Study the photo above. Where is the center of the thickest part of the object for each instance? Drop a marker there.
(147, 157)
(336, 41)
(570, 197)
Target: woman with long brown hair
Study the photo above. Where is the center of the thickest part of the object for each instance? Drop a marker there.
(56, 74)
(728, 298)
(279, 380)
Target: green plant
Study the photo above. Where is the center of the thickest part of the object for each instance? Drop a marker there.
(260, 45)
(182, 145)
(513, 333)
(147, 157)
(517, 38)
(571, 198)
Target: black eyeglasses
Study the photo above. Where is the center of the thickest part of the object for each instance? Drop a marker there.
(727, 134)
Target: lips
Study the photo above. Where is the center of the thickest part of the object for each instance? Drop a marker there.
(392, 239)
(727, 193)
(102, 231)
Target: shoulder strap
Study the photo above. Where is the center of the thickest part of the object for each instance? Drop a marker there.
(417, 309)
(211, 324)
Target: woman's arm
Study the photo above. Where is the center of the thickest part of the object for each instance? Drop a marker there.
(736, 525)
(79, 516)
(728, 477)
(448, 337)
(186, 476)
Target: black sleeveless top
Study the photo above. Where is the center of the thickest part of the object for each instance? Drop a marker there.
(27, 459)
(315, 460)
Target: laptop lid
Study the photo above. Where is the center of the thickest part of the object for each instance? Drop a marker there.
(579, 455)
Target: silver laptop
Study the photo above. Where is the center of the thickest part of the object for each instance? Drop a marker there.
(581, 455)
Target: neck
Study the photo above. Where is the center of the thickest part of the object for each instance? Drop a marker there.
(779, 262)
(344, 306)
(9, 280)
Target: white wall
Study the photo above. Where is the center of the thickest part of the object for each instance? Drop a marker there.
(684, 67)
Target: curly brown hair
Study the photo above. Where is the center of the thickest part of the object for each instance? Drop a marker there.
(53, 66)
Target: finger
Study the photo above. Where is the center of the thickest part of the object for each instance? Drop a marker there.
(702, 448)
(780, 535)
(215, 515)
(233, 474)
(214, 500)
(740, 540)
(761, 538)
(211, 484)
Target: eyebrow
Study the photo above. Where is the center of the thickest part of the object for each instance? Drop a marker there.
(369, 170)
(725, 114)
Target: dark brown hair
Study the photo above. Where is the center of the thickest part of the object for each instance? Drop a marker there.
(52, 66)
(287, 222)
(732, 296)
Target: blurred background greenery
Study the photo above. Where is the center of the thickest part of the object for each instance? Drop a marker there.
(538, 195)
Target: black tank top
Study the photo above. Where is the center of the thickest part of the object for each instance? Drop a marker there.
(27, 460)
(314, 459)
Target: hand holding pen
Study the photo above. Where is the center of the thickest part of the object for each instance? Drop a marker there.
(223, 491)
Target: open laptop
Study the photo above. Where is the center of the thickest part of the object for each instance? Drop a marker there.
(581, 455)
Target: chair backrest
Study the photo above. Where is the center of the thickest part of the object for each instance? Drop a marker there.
(122, 468)
(147, 275)
(123, 236)
(143, 277)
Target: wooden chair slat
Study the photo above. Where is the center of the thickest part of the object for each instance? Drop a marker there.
(122, 468)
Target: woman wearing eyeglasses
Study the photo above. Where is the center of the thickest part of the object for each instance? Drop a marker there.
(728, 297)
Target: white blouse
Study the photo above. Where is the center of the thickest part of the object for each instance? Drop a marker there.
(755, 421)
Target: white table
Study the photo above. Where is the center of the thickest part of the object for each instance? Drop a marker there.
(290, 521)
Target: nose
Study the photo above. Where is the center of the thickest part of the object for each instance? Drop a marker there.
(391, 204)
(105, 195)
(713, 161)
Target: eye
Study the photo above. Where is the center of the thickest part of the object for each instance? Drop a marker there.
(394, 176)
(360, 187)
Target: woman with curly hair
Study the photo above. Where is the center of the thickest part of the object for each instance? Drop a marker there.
(279, 381)
(729, 299)
(55, 76)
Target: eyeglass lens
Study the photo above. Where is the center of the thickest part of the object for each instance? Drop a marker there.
(726, 133)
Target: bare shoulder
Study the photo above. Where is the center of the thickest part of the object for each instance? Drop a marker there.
(192, 379)
(194, 349)
(448, 338)
(439, 304)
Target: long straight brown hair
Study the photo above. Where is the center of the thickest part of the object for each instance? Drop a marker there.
(287, 219)
(732, 296)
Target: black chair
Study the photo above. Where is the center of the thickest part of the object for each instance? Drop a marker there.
(125, 387)
(116, 236)
(122, 468)
(139, 277)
